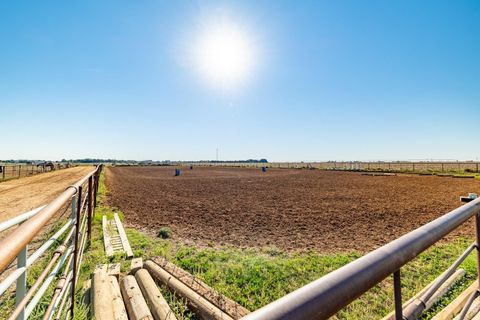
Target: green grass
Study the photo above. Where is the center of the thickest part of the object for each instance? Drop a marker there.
(256, 277)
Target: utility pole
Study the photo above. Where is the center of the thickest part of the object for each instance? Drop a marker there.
(217, 154)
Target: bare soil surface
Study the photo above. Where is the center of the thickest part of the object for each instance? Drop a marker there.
(291, 209)
(21, 195)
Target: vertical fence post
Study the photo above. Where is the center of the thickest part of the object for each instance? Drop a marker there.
(21, 289)
(397, 288)
(95, 189)
(3, 173)
(477, 231)
(76, 254)
(73, 216)
(90, 207)
(19, 171)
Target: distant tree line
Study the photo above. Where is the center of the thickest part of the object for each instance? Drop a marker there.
(233, 161)
(89, 160)
(93, 160)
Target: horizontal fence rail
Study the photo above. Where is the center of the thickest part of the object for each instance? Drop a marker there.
(328, 295)
(66, 245)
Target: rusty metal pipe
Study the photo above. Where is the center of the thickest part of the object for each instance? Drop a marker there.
(56, 294)
(65, 296)
(60, 287)
(11, 245)
(324, 297)
(59, 252)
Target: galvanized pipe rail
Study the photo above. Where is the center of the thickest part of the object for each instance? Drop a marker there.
(70, 252)
(326, 296)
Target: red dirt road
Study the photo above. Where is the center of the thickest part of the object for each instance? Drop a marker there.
(291, 209)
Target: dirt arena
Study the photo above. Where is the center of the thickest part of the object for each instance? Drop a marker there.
(290, 209)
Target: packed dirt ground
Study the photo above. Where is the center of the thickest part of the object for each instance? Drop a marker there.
(24, 194)
(286, 208)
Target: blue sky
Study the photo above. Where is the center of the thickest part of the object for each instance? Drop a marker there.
(332, 80)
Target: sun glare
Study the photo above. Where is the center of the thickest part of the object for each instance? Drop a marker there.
(224, 55)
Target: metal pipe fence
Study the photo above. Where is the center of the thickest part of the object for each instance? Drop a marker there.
(328, 295)
(393, 166)
(67, 243)
(15, 171)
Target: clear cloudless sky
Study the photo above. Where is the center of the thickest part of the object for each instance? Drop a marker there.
(332, 80)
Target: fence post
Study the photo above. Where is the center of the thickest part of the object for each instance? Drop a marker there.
(397, 288)
(90, 207)
(20, 171)
(21, 289)
(3, 173)
(95, 187)
(76, 254)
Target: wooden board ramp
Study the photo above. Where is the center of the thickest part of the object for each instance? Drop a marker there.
(114, 237)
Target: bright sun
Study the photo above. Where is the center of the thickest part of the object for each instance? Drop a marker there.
(224, 55)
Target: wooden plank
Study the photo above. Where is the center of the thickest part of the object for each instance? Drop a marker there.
(100, 268)
(204, 308)
(102, 296)
(135, 265)
(119, 311)
(477, 316)
(230, 307)
(87, 292)
(132, 296)
(113, 269)
(106, 237)
(158, 306)
(456, 305)
(472, 311)
(123, 236)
